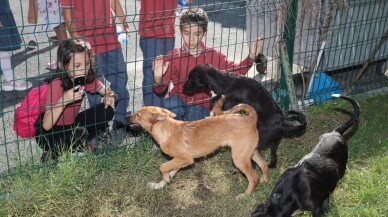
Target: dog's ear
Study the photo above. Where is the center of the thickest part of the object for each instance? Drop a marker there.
(160, 117)
(169, 113)
(172, 114)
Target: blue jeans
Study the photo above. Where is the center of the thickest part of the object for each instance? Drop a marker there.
(183, 110)
(112, 67)
(152, 47)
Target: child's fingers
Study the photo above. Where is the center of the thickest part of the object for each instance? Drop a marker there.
(157, 61)
(73, 94)
(158, 67)
(165, 67)
(260, 42)
(159, 57)
(76, 87)
(257, 47)
(77, 96)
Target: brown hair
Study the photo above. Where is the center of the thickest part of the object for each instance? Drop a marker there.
(194, 15)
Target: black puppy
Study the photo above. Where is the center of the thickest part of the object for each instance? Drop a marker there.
(308, 184)
(272, 126)
(261, 64)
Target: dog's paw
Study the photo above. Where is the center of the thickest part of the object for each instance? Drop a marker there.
(241, 196)
(157, 186)
(264, 179)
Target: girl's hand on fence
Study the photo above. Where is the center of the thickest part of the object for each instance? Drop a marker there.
(256, 48)
(72, 95)
(159, 68)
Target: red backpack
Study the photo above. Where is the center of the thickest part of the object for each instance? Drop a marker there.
(29, 110)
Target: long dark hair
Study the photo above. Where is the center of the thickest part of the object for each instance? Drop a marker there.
(65, 51)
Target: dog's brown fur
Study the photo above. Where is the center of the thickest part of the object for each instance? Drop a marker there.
(184, 141)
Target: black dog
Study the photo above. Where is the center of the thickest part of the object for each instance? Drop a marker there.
(261, 64)
(308, 184)
(272, 126)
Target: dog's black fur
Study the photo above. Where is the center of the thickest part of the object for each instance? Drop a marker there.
(308, 184)
(261, 64)
(272, 126)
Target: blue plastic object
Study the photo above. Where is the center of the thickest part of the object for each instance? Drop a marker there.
(323, 87)
(183, 3)
(121, 35)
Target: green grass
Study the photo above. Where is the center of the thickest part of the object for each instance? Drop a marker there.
(116, 184)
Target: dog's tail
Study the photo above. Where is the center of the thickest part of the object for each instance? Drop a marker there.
(341, 129)
(290, 128)
(243, 109)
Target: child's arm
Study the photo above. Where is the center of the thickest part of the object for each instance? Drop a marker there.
(160, 69)
(52, 115)
(256, 48)
(118, 10)
(68, 13)
(245, 64)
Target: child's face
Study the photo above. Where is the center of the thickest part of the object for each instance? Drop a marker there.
(79, 65)
(192, 35)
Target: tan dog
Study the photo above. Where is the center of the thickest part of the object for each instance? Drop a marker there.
(185, 141)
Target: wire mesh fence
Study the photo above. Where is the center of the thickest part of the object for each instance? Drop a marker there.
(331, 46)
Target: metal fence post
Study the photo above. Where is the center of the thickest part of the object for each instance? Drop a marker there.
(287, 76)
(289, 36)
